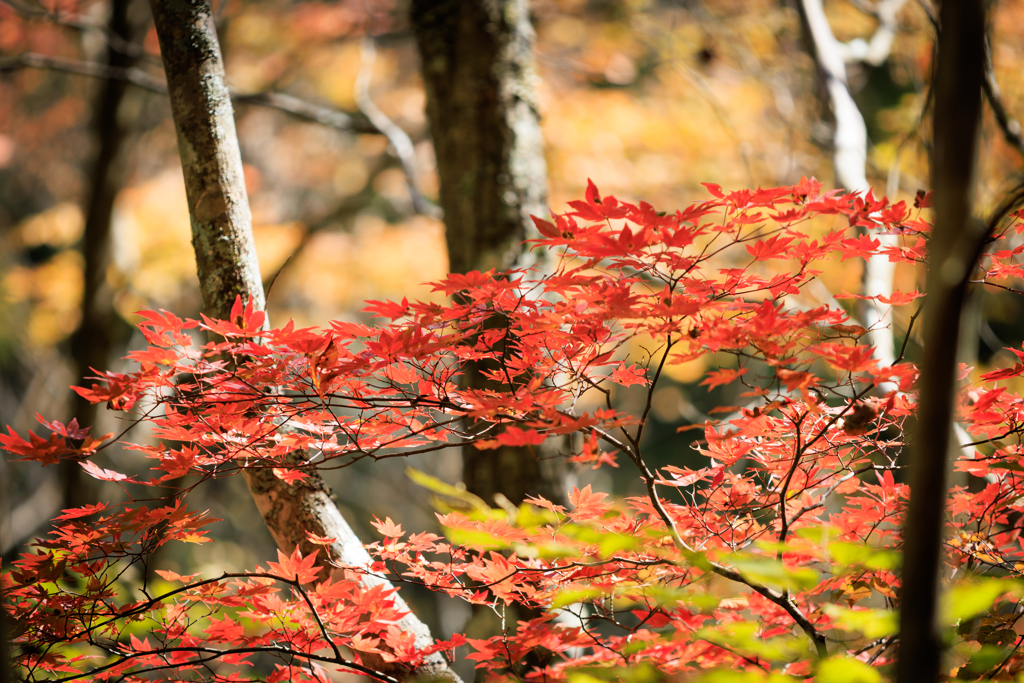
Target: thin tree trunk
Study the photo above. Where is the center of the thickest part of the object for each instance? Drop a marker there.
(851, 148)
(92, 342)
(956, 242)
(227, 267)
(477, 64)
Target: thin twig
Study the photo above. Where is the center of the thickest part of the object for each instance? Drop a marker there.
(398, 138)
(133, 75)
(1010, 126)
(347, 209)
(328, 116)
(722, 113)
(368, 121)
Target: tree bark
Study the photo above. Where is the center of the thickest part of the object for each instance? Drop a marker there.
(228, 267)
(477, 65)
(850, 153)
(92, 342)
(956, 243)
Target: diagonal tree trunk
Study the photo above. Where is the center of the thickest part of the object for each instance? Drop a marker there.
(956, 243)
(477, 65)
(227, 267)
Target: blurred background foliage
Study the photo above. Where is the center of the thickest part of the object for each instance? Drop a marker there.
(648, 98)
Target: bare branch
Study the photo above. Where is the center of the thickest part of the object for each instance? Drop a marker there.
(398, 138)
(79, 22)
(133, 75)
(370, 121)
(1010, 126)
(328, 116)
(721, 112)
(349, 207)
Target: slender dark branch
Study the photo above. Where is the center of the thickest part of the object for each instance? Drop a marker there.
(349, 207)
(214, 654)
(133, 75)
(798, 452)
(1007, 659)
(650, 393)
(370, 121)
(906, 339)
(1010, 203)
(994, 439)
(996, 285)
(783, 601)
(1010, 126)
(327, 116)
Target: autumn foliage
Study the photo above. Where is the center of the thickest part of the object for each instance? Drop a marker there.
(779, 556)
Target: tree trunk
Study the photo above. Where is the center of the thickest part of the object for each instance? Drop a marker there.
(850, 153)
(955, 245)
(227, 267)
(477, 64)
(92, 342)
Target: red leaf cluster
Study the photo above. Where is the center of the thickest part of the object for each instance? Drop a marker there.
(783, 546)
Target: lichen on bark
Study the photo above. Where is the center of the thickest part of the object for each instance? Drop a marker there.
(227, 267)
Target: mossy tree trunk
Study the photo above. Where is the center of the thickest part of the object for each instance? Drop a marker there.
(228, 267)
(477, 65)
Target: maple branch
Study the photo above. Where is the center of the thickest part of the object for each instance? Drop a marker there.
(832, 487)
(153, 602)
(782, 600)
(985, 282)
(981, 442)
(784, 489)
(214, 655)
(635, 440)
(906, 338)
